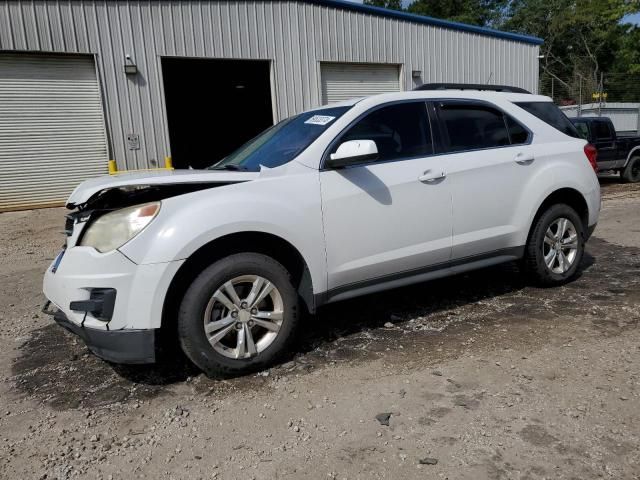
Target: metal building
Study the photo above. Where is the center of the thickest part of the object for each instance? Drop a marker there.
(84, 81)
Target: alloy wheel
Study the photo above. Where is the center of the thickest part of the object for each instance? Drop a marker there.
(243, 317)
(560, 246)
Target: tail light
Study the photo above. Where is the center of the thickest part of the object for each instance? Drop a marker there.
(592, 155)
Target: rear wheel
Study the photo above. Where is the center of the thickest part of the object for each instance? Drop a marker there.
(239, 315)
(631, 173)
(555, 246)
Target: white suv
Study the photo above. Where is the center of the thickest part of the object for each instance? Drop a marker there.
(345, 200)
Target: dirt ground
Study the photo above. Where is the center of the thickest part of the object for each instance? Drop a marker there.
(484, 377)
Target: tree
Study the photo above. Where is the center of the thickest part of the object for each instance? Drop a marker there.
(391, 4)
(582, 39)
(474, 12)
(622, 81)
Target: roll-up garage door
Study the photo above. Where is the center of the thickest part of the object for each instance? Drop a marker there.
(52, 132)
(342, 81)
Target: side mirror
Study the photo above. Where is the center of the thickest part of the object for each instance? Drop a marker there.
(353, 151)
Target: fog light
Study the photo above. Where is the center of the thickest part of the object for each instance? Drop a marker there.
(100, 304)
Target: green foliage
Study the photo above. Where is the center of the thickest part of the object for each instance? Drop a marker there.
(582, 40)
(628, 55)
(474, 12)
(586, 47)
(391, 4)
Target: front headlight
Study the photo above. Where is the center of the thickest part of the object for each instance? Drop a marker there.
(114, 229)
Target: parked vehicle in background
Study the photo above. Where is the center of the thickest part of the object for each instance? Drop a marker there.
(345, 200)
(621, 154)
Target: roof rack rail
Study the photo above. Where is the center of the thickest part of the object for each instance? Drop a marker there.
(471, 86)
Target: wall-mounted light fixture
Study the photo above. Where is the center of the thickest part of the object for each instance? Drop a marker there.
(416, 73)
(130, 68)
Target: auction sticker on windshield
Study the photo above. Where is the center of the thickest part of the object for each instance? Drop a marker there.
(319, 120)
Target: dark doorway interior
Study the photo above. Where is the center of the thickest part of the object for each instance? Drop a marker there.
(214, 106)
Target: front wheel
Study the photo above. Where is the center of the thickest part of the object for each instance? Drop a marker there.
(239, 315)
(631, 173)
(555, 247)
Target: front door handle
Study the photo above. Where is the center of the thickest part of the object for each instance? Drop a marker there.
(524, 158)
(432, 176)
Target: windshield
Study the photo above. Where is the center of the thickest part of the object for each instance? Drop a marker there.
(282, 142)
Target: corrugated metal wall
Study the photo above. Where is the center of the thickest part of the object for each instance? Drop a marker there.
(52, 133)
(344, 81)
(296, 36)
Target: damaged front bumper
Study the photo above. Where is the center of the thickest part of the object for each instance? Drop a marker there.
(112, 303)
(118, 346)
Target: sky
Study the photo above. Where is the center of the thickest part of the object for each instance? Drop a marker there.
(635, 18)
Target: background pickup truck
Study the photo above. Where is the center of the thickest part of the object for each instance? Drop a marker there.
(621, 154)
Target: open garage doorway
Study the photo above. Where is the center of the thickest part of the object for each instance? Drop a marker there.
(214, 106)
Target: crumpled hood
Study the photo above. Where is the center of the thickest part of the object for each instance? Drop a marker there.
(91, 187)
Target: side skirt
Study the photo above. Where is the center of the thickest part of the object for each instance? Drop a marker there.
(418, 275)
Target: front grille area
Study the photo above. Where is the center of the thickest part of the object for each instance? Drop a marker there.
(74, 217)
(68, 224)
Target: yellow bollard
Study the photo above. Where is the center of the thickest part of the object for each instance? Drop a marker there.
(113, 168)
(168, 164)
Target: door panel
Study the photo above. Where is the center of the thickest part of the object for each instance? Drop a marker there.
(488, 166)
(393, 214)
(485, 186)
(605, 143)
(380, 219)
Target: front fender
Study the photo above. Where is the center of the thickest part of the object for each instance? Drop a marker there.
(287, 207)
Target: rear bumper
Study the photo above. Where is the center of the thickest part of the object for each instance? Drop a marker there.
(117, 346)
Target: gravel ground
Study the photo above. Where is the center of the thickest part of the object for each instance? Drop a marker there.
(479, 376)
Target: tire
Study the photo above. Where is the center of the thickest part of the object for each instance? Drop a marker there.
(537, 247)
(631, 173)
(209, 299)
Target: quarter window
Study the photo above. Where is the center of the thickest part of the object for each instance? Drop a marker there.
(552, 115)
(602, 130)
(472, 127)
(517, 133)
(582, 129)
(400, 131)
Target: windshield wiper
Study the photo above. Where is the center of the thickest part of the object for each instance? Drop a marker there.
(230, 166)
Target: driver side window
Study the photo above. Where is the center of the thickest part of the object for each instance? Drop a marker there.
(400, 131)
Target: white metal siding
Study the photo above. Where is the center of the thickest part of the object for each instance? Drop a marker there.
(52, 133)
(342, 81)
(297, 36)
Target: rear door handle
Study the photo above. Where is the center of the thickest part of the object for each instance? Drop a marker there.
(432, 176)
(524, 158)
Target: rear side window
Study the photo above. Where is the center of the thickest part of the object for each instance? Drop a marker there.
(517, 133)
(400, 131)
(583, 129)
(602, 130)
(549, 113)
(471, 126)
